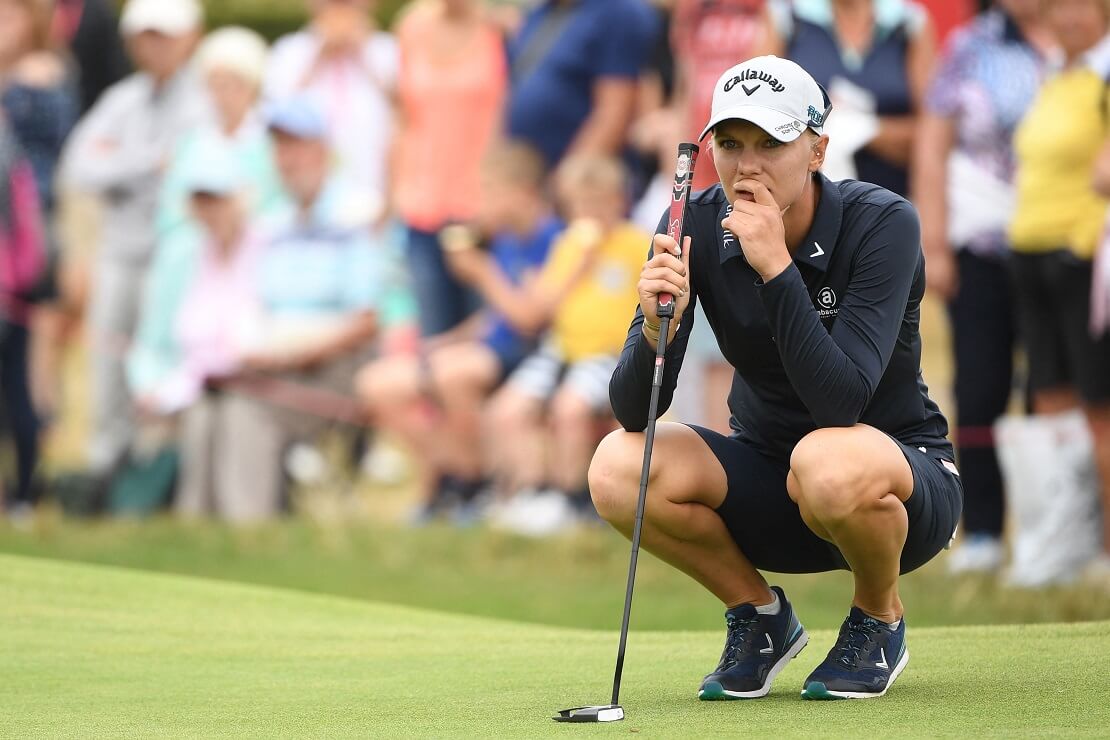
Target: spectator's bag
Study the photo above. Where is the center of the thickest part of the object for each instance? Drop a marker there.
(22, 255)
(1052, 495)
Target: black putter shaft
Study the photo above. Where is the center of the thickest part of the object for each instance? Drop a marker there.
(649, 439)
(684, 174)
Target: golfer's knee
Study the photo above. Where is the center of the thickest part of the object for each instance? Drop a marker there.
(614, 476)
(829, 484)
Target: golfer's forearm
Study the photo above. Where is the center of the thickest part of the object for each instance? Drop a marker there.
(630, 386)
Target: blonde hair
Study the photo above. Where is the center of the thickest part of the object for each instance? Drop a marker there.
(517, 163)
(590, 171)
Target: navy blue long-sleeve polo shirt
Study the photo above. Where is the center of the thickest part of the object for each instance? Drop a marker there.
(832, 341)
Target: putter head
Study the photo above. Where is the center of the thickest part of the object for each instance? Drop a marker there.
(604, 713)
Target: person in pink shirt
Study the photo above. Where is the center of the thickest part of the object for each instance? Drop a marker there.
(452, 83)
(708, 37)
(214, 330)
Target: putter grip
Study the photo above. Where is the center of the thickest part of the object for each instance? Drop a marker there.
(683, 176)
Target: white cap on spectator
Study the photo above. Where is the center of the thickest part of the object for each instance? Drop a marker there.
(773, 93)
(235, 49)
(169, 17)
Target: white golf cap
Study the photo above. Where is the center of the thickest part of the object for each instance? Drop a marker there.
(773, 93)
(169, 17)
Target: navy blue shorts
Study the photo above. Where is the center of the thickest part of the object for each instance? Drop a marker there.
(767, 526)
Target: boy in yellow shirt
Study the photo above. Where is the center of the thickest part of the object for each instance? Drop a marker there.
(544, 422)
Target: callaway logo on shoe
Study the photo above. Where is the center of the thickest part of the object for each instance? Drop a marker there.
(857, 666)
(751, 660)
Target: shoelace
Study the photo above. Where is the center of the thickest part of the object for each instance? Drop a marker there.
(736, 641)
(856, 637)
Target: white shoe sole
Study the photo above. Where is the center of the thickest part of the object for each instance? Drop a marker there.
(862, 694)
(789, 655)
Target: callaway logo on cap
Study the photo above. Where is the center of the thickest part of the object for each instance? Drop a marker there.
(775, 94)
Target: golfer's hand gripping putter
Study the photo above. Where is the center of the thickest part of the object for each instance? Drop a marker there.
(613, 711)
(683, 176)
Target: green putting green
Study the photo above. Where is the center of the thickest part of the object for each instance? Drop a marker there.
(95, 651)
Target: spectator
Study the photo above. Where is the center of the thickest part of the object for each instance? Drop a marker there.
(90, 30)
(708, 37)
(875, 58)
(34, 92)
(1058, 221)
(545, 421)
(434, 402)
(574, 68)
(325, 291)
(350, 70)
(119, 152)
(21, 249)
(212, 329)
(37, 98)
(963, 188)
(232, 62)
(451, 88)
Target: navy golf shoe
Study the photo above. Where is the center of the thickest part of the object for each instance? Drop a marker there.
(867, 657)
(757, 647)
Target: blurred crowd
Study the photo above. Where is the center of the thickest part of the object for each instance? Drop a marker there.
(429, 236)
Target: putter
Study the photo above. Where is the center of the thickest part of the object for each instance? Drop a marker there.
(612, 712)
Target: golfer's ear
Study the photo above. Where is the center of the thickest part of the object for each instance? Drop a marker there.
(817, 153)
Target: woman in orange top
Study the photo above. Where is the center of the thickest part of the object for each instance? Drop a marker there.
(452, 82)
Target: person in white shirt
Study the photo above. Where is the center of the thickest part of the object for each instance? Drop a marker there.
(119, 153)
(350, 69)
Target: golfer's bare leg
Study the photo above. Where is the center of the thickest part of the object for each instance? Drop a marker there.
(850, 485)
(681, 526)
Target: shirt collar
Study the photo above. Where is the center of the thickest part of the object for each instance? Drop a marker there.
(817, 247)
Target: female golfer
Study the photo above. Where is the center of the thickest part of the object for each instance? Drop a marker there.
(838, 458)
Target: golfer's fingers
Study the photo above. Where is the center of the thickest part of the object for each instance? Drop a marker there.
(668, 261)
(666, 282)
(662, 243)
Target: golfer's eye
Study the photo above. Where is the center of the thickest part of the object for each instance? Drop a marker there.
(726, 144)
(770, 143)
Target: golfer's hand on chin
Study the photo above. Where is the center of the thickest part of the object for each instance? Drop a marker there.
(758, 227)
(668, 271)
